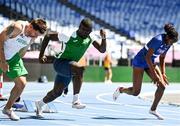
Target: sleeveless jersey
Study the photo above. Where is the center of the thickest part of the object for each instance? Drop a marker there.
(13, 45)
(73, 47)
(159, 46)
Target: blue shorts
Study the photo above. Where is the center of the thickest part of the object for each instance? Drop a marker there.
(140, 62)
(63, 69)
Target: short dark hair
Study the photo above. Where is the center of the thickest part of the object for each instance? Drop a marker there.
(86, 22)
(39, 25)
(171, 32)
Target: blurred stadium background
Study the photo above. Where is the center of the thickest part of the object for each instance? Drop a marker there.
(129, 25)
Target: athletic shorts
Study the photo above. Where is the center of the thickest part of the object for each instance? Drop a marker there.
(140, 61)
(106, 68)
(63, 69)
(16, 67)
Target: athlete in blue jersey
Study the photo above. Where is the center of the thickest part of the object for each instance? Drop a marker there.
(144, 61)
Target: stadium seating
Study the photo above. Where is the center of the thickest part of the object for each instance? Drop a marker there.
(139, 19)
(135, 18)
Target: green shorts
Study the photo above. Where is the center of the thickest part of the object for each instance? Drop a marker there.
(16, 67)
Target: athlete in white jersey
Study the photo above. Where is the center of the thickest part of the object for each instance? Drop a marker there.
(14, 42)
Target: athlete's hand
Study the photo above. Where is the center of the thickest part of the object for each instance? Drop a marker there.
(103, 34)
(158, 80)
(165, 79)
(43, 59)
(4, 66)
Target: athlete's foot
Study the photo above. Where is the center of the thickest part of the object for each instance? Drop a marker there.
(109, 82)
(155, 113)
(117, 93)
(10, 114)
(39, 111)
(78, 105)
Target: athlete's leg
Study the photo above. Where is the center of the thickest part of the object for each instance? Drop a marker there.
(18, 99)
(62, 80)
(54, 93)
(15, 93)
(136, 88)
(106, 75)
(137, 82)
(110, 74)
(158, 94)
(19, 86)
(59, 85)
(66, 90)
(77, 79)
(160, 89)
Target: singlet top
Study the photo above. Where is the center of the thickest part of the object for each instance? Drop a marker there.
(73, 47)
(13, 45)
(159, 46)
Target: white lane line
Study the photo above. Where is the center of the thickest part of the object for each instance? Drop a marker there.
(96, 108)
(98, 97)
(102, 109)
(145, 96)
(115, 103)
(119, 113)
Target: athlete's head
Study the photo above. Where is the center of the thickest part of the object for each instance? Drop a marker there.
(36, 28)
(171, 34)
(85, 28)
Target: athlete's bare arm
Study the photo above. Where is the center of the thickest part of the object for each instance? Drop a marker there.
(163, 68)
(156, 77)
(50, 36)
(9, 32)
(101, 47)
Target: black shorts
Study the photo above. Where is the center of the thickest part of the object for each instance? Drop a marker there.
(63, 69)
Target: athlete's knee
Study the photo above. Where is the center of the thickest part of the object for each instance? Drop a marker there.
(78, 70)
(21, 85)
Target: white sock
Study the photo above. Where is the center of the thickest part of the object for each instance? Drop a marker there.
(76, 97)
(41, 103)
